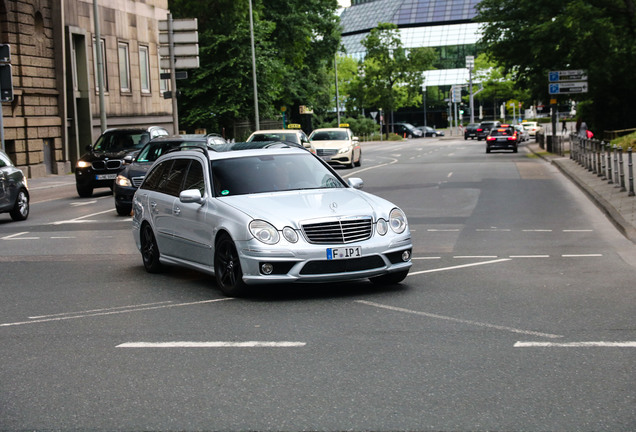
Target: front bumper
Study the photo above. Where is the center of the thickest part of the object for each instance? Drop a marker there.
(380, 256)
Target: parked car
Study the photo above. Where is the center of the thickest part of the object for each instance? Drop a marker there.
(337, 146)
(532, 127)
(296, 136)
(105, 159)
(484, 129)
(470, 131)
(129, 179)
(14, 192)
(406, 130)
(430, 131)
(502, 138)
(266, 216)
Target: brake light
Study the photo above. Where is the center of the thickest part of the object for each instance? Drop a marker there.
(479, 129)
(512, 138)
(490, 138)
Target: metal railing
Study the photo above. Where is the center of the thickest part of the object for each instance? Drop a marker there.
(605, 160)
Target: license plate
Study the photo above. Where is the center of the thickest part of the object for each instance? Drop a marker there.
(105, 176)
(344, 252)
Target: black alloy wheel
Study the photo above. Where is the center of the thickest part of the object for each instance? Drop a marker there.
(20, 210)
(149, 250)
(227, 268)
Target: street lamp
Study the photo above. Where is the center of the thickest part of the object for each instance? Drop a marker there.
(256, 122)
(470, 64)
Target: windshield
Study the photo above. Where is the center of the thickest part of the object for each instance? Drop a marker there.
(270, 173)
(275, 137)
(153, 150)
(121, 141)
(337, 135)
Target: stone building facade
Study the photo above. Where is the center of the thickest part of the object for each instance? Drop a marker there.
(55, 111)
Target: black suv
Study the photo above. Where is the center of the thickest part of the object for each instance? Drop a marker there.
(484, 129)
(470, 131)
(105, 159)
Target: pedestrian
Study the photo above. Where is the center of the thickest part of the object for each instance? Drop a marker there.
(564, 128)
(581, 128)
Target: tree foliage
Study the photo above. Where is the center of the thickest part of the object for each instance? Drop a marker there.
(295, 43)
(392, 76)
(529, 38)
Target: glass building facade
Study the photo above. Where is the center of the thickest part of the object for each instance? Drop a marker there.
(445, 25)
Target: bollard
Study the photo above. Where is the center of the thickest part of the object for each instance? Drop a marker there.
(630, 167)
(622, 171)
(603, 174)
(609, 164)
(617, 179)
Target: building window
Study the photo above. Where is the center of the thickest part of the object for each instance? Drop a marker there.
(124, 67)
(95, 65)
(144, 69)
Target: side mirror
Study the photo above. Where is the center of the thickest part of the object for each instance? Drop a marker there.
(89, 147)
(191, 196)
(128, 159)
(355, 182)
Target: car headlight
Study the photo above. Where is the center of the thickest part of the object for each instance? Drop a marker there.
(123, 181)
(290, 234)
(82, 164)
(345, 150)
(381, 227)
(397, 221)
(264, 232)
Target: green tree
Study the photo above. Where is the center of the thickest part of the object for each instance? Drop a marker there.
(295, 44)
(392, 75)
(529, 38)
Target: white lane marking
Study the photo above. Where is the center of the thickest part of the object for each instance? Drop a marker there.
(458, 320)
(578, 230)
(458, 266)
(426, 258)
(442, 230)
(185, 344)
(450, 174)
(83, 203)
(63, 237)
(370, 168)
(134, 309)
(575, 344)
(529, 256)
(99, 310)
(476, 256)
(492, 230)
(81, 219)
(537, 230)
(15, 236)
(581, 255)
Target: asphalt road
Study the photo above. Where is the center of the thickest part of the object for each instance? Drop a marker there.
(518, 315)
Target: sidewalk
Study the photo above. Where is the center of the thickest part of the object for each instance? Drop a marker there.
(617, 205)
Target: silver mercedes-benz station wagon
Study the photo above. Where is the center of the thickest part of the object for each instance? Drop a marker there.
(263, 216)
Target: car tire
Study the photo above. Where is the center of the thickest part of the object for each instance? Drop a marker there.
(149, 250)
(515, 150)
(359, 162)
(84, 191)
(390, 279)
(227, 268)
(20, 210)
(123, 210)
(465, 137)
(487, 150)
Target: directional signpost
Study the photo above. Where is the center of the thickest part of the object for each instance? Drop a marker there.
(568, 87)
(567, 82)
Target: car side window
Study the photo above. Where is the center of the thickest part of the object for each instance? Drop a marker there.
(157, 175)
(195, 179)
(171, 183)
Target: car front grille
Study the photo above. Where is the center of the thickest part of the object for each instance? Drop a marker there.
(136, 181)
(107, 164)
(326, 152)
(338, 231)
(342, 266)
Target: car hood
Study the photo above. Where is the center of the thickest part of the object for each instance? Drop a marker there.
(137, 169)
(336, 144)
(93, 156)
(282, 208)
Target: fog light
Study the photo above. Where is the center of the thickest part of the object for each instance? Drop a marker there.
(406, 255)
(267, 268)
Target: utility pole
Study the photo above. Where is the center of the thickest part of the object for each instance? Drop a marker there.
(100, 68)
(335, 67)
(470, 64)
(256, 115)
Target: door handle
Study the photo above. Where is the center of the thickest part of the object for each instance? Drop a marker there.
(176, 211)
